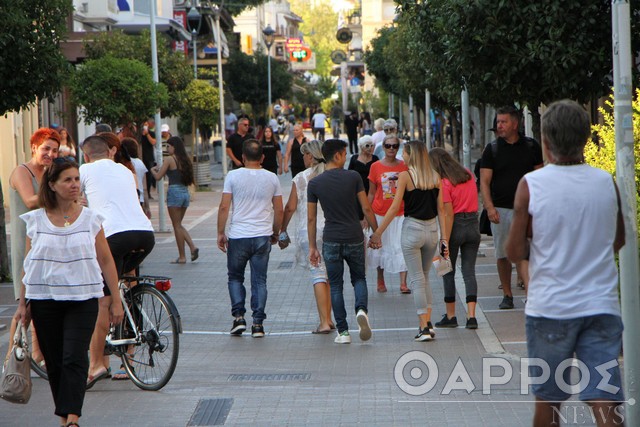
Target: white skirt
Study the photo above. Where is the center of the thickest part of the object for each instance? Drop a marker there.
(389, 257)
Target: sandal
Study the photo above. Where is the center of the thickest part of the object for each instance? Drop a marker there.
(195, 254)
(381, 286)
(72, 424)
(120, 374)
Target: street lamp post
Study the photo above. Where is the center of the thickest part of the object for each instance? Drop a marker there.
(269, 35)
(194, 20)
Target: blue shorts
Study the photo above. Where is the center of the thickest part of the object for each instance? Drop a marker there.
(596, 342)
(178, 196)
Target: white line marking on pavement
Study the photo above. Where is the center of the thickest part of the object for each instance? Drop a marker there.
(294, 332)
(513, 342)
(487, 336)
(503, 311)
(191, 225)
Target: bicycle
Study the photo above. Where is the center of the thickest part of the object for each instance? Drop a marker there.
(147, 340)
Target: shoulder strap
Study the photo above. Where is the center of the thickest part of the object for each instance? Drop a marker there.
(27, 168)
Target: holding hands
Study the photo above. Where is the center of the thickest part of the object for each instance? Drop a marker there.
(375, 241)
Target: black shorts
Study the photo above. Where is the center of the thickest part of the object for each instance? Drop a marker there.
(129, 249)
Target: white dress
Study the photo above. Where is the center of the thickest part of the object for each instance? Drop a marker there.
(301, 237)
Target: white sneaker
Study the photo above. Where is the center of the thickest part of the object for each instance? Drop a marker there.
(343, 338)
(363, 325)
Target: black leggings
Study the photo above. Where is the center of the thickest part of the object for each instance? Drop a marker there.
(64, 333)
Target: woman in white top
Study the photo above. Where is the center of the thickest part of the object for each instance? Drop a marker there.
(67, 144)
(314, 162)
(67, 258)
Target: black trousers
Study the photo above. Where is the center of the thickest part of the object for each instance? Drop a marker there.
(64, 333)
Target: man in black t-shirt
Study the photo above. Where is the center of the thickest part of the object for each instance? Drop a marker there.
(148, 144)
(234, 143)
(504, 162)
(339, 191)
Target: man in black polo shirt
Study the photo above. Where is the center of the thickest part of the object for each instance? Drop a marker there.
(234, 143)
(504, 162)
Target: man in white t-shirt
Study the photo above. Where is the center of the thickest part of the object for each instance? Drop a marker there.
(256, 217)
(230, 121)
(319, 121)
(110, 189)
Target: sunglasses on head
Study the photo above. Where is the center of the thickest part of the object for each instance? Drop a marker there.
(391, 146)
(63, 160)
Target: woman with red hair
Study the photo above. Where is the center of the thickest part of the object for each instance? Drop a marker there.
(24, 184)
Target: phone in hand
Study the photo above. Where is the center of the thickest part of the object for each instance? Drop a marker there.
(443, 248)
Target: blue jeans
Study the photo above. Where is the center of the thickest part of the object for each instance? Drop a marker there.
(335, 254)
(255, 251)
(465, 237)
(595, 340)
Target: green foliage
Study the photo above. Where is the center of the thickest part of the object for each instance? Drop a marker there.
(236, 7)
(603, 154)
(31, 63)
(319, 29)
(201, 99)
(116, 91)
(173, 69)
(247, 78)
(523, 51)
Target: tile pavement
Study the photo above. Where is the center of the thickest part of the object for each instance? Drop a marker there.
(347, 384)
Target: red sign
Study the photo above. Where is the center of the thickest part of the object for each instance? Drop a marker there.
(293, 44)
(180, 16)
(301, 54)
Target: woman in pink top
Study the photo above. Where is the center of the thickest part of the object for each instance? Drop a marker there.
(460, 197)
(383, 183)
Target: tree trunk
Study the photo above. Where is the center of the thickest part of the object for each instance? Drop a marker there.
(455, 142)
(480, 133)
(5, 272)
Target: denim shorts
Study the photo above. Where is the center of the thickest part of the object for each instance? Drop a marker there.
(596, 342)
(178, 196)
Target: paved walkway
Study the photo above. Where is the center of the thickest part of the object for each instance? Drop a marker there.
(292, 377)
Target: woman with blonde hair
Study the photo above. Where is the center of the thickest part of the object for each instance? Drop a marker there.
(314, 161)
(419, 188)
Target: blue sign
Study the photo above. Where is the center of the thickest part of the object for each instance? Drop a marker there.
(210, 50)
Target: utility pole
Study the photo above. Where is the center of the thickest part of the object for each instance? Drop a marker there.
(466, 148)
(427, 118)
(629, 276)
(158, 149)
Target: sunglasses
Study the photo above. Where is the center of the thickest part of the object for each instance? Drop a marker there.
(367, 145)
(389, 130)
(391, 146)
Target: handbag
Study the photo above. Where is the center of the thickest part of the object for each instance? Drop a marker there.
(442, 265)
(15, 386)
(484, 223)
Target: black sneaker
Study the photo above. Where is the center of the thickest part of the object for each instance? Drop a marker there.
(447, 323)
(239, 326)
(472, 323)
(507, 303)
(431, 330)
(257, 331)
(423, 335)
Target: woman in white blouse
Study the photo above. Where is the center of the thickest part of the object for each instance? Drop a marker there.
(67, 256)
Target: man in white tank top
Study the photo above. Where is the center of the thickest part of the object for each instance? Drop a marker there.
(571, 213)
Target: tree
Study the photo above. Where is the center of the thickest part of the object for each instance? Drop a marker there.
(173, 69)
(116, 91)
(246, 77)
(31, 63)
(514, 51)
(201, 100)
(319, 29)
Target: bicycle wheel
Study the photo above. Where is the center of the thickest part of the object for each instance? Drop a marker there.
(36, 366)
(151, 362)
